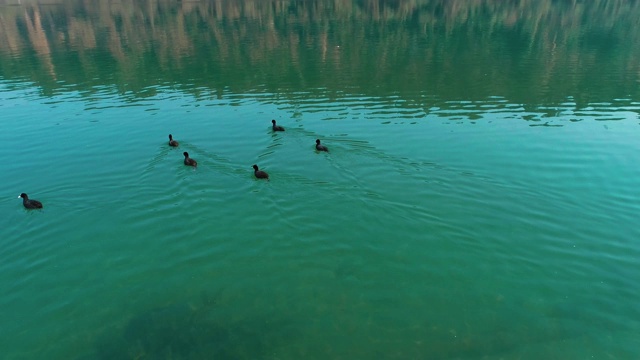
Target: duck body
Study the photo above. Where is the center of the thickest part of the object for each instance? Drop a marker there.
(172, 142)
(321, 147)
(259, 173)
(276, 127)
(189, 161)
(30, 204)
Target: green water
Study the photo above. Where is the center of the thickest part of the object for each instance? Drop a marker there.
(479, 200)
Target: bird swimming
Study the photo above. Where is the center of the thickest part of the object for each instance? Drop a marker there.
(320, 147)
(276, 127)
(172, 142)
(259, 173)
(189, 161)
(30, 204)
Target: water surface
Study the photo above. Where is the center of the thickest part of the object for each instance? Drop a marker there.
(479, 199)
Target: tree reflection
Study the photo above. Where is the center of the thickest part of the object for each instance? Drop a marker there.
(529, 51)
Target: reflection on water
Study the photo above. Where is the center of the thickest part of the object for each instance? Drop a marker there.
(529, 52)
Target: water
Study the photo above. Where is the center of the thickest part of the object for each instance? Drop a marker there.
(478, 201)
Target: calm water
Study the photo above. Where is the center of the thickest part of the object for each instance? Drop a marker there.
(479, 200)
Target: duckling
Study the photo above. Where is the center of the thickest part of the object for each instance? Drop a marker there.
(321, 147)
(276, 127)
(189, 161)
(259, 173)
(30, 204)
(172, 142)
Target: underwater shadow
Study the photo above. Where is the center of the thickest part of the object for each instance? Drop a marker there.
(185, 331)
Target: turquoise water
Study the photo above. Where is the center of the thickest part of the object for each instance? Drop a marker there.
(479, 199)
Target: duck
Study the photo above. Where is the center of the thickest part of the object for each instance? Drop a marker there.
(320, 147)
(259, 173)
(172, 142)
(276, 127)
(30, 204)
(189, 161)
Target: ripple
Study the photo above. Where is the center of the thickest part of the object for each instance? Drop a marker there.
(395, 221)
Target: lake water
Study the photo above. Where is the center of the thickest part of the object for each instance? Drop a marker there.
(479, 200)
